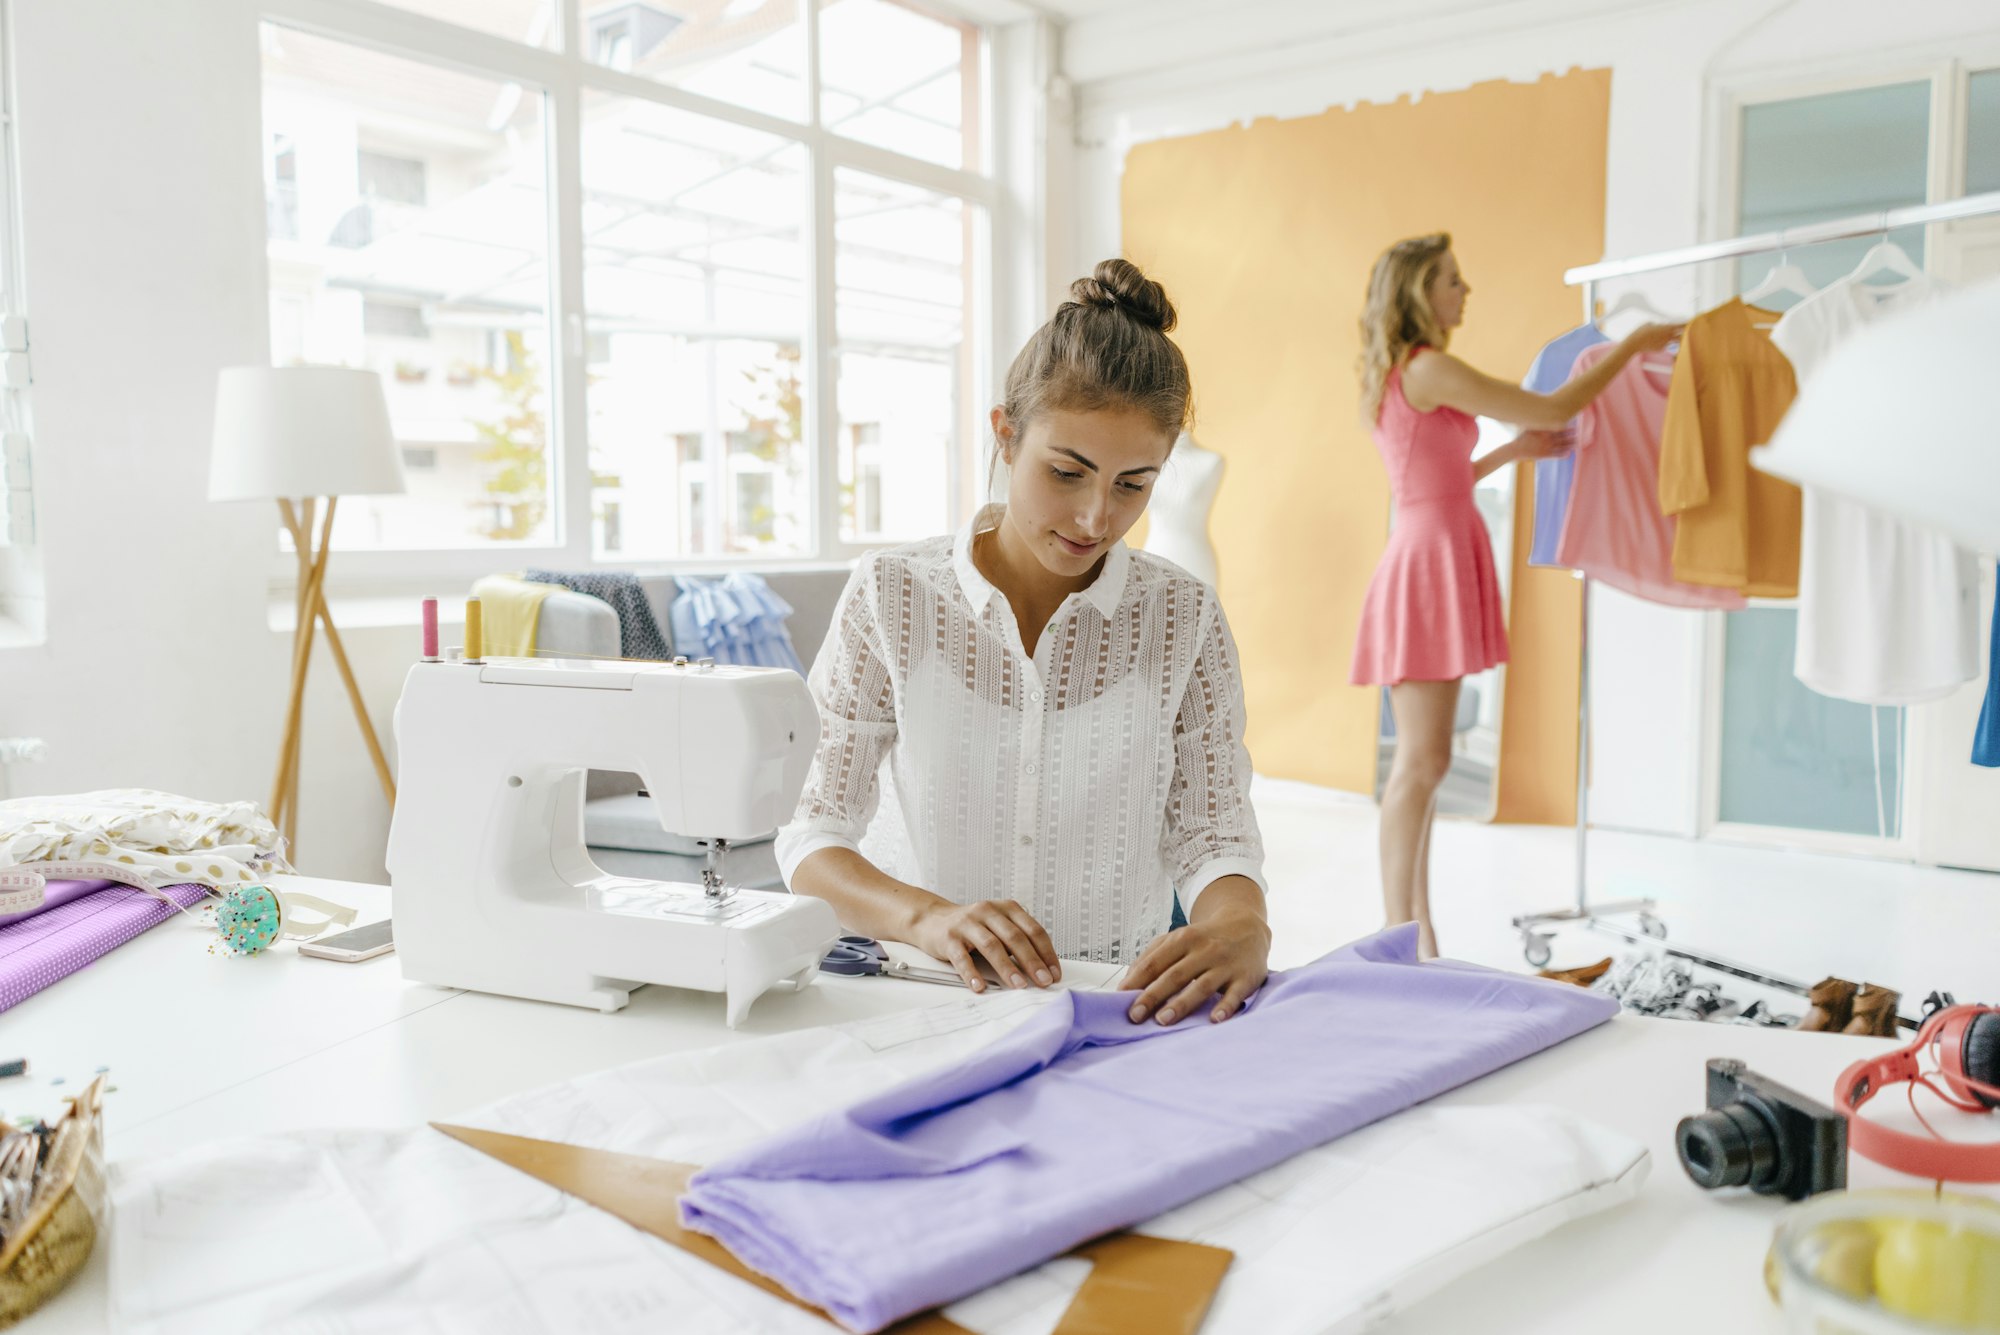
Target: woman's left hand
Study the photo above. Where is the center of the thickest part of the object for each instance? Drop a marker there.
(1227, 954)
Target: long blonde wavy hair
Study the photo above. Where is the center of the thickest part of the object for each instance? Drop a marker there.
(1398, 314)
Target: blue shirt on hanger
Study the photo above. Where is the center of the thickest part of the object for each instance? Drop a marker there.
(1550, 370)
(1986, 737)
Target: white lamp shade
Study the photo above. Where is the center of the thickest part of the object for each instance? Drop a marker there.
(1900, 417)
(297, 431)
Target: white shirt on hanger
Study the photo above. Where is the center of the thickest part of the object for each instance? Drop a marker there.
(1088, 783)
(1888, 611)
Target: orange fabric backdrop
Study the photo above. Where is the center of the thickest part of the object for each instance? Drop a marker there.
(1263, 235)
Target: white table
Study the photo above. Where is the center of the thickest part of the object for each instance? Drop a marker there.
(203, 1046)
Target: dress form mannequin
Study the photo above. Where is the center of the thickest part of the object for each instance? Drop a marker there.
(1177, 519)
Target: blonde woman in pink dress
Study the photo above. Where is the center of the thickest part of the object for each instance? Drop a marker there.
(1433, 614)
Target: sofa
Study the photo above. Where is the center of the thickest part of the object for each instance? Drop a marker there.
(619, 824)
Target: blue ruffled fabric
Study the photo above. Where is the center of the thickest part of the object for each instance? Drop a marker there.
(735, 619)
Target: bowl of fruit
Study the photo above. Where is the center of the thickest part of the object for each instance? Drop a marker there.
(1888, 1263)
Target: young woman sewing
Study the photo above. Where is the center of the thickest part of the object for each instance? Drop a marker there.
(1061, 717)
(1432, 613)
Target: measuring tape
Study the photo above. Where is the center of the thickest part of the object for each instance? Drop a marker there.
(20, 891)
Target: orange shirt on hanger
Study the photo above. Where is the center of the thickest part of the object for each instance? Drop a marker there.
(1736, 528)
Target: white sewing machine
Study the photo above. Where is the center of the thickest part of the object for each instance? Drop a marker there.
(493, 887)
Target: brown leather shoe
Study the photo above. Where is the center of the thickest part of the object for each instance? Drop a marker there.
(1874, 1012)
(1583, 975)
(1832, 1006)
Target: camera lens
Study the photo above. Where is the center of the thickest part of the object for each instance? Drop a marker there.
(1734, 1145)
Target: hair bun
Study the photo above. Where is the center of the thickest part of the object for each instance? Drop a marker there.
(1121, 285)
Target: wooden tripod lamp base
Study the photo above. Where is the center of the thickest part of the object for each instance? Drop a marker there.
(318, 432)
(312, 614)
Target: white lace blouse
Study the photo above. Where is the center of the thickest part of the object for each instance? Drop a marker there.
(1088, 783)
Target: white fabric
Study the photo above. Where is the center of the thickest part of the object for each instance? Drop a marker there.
(141, 837)
(410, 1231)
(1888, 610)
(1088, 783)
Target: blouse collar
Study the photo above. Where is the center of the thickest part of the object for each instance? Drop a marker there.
(1104, 593)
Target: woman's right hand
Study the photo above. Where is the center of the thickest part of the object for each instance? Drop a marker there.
(998, 931)
(1540, 444)
(1652, 337)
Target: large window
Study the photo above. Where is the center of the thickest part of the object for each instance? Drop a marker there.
(741, 331)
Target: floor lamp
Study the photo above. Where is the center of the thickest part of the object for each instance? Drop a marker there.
(305, 436)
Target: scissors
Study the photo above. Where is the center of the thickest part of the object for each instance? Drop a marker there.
(859, 956)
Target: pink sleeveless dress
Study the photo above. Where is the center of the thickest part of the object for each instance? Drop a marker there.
(1433, 609)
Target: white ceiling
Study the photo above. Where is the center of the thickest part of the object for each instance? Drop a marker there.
(1078, 9)
(1113, 39)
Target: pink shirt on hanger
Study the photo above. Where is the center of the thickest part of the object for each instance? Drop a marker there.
(1614, 531)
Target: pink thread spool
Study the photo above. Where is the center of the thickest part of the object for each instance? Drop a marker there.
(430, 630)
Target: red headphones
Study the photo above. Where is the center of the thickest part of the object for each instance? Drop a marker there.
(1965, 1043)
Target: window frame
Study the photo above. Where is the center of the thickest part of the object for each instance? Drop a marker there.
(561, 75)
(1948, 73)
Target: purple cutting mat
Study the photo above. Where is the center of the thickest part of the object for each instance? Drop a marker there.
(54, 943)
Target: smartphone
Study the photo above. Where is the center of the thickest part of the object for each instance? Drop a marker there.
(351, 947)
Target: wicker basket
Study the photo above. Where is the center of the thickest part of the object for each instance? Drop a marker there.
(62, 1225)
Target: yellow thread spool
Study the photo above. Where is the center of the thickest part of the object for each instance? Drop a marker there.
(475, 632)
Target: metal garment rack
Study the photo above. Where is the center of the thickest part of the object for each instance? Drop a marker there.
(1535, 943)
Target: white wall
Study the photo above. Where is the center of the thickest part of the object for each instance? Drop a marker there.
(143, 243)
(1181, 67)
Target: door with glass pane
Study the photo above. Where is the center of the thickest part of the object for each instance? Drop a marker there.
(1785, 758)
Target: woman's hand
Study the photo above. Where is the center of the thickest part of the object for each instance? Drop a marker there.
(1652, 337)
(998, 931)
(1540, 444)
(1223, 956)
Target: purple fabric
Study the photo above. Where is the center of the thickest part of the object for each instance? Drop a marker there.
(55, 894)
(54, 943)
(1080, 1123)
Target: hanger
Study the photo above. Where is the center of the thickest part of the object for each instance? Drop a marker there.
(1887, 255)
(1632, 299)
(1784, 277)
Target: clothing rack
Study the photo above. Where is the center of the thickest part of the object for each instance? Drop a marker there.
(1535, 943)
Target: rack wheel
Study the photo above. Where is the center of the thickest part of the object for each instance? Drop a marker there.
(1535, 948)
(1652, 926)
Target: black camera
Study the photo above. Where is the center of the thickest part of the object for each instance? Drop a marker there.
(1757, 1133)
